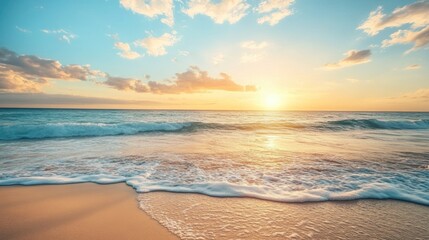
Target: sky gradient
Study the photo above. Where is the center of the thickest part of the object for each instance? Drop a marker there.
(225, 54)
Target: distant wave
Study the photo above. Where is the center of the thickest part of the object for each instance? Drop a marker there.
(64, 130)
(378, 124)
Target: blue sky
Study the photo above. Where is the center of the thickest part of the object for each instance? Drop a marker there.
(289, 62)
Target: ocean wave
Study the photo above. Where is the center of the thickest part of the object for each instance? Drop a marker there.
(64, 130)
(377, 124)
(376, 190)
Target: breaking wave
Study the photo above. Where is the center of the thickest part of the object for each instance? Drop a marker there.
(64, 130)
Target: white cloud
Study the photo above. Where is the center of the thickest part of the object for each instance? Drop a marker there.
(415, 18)
(156, 46)
(222, 11)
(152, 9)
(218, 59)
(413, 67)
(353, 57)
(418, 38)
(125, 51)
(254, 45)
(274, 10)
(62, 34)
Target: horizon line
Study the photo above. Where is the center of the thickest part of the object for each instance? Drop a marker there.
(208, 110)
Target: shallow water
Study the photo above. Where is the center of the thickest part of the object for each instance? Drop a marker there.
(195, 216)
(280, 156)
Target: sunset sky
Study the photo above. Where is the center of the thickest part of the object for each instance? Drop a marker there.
(224, 54)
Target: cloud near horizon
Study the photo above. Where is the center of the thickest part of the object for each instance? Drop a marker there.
(353, 57)
(193, 80)
(28, 73)
(414, 16)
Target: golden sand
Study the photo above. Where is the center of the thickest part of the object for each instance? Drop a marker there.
(91, 211)
(76, 211)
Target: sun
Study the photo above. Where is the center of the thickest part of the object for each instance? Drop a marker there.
(272, 101)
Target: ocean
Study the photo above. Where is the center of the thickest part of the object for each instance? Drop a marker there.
(277, 156)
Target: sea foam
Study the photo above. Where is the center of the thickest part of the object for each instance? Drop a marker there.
(376, 190)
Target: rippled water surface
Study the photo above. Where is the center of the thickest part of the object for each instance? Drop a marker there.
(281, 156)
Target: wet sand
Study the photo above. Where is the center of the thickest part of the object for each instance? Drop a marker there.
(196, 216)
(75, 211)
(91, 211)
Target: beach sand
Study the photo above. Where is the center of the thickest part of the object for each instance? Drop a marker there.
(91, 211)
(75, 211)
(196, 216)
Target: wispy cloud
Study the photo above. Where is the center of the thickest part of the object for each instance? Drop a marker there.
(156, 46)
(220, 11)
(152, 9)
(62, 34)
(125, 51)
(353, 57)
(23, 30)
(274, 11)
(413, 67)
(415, 17)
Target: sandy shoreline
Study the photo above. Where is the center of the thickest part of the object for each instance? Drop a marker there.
(75, 211)
(92, 211)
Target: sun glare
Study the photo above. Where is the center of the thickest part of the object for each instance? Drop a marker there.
(272, 101)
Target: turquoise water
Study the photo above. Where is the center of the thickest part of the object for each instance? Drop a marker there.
(280, 156)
